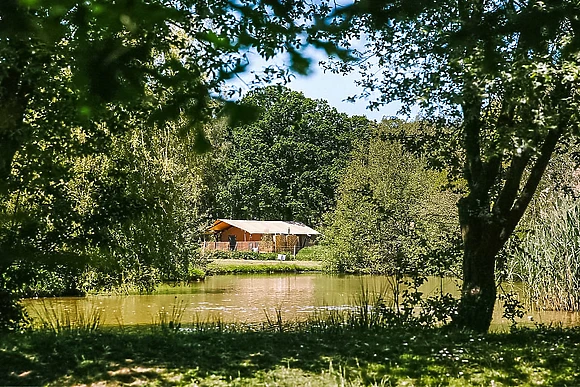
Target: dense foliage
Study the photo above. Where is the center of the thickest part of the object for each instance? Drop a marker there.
(287, 163)
(509, 92)
(92, 96)
(127, 216)
(393, 214)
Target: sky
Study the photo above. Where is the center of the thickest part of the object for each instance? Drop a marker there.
(334, 88)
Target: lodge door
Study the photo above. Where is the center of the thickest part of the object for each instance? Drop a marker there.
(232, 240)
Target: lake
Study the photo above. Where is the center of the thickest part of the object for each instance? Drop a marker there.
(250, 298)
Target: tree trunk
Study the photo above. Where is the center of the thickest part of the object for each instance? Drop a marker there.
(482, 242)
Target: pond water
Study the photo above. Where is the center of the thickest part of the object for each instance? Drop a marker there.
(249, 299)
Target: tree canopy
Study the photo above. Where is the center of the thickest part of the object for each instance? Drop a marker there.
(287, 163)
(392, 215)
(103, 55)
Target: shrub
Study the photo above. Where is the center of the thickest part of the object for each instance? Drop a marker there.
(196, 274)
(12, 315)
(244, 255)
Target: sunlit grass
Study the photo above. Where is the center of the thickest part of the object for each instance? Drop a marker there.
(312, 253)
(230, 266)
(350, 347)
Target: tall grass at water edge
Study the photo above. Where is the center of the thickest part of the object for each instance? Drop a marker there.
(395, 305)
(60, 320)
(170, 319)
(548, 259)
(369, 309)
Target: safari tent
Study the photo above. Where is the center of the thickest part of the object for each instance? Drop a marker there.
(258, 235)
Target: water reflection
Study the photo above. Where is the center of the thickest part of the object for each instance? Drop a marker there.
(247, 298)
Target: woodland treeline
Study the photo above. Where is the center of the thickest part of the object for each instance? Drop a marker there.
(133, 217)
(118, 141)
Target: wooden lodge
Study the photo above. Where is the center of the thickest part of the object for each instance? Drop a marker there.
(257, 235)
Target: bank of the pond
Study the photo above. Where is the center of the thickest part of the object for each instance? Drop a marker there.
(312, 356)
(238, 266)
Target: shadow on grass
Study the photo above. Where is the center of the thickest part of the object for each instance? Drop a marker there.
(332, 357)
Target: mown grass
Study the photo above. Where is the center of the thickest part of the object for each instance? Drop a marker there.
(234, 266)
(311, 253)
(308, 355)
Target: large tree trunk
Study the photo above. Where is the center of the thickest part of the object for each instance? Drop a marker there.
(482, 242)
(485, 229)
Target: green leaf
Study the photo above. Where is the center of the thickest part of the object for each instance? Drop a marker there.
(201, 144)
(239, 113)
(299, 63)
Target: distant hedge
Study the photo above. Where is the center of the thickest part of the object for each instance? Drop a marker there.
(245, 255)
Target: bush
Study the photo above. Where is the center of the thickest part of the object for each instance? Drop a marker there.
(244, 255)
(12, 315)
(196, 274)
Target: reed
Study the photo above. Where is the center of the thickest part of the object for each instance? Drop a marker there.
(370, 308)
(87, 319)
(548, 260)
(170, 320)
(275, 323)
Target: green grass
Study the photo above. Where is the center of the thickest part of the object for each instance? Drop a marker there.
(311, 253)
(235, 266)
(244, 255)
(306, 355)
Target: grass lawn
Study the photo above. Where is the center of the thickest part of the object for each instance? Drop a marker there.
(311, 253)
(236, 266)
(306, 356)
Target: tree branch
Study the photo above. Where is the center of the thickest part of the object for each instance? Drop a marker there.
(472, 130)
(531, 185)
(511, 186)
(491, 170)
(470, 15)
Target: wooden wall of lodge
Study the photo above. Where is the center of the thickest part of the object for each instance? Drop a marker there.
(241, 235)
(281, 243)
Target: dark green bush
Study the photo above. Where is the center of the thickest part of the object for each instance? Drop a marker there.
(245, 255)
(12, 315)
